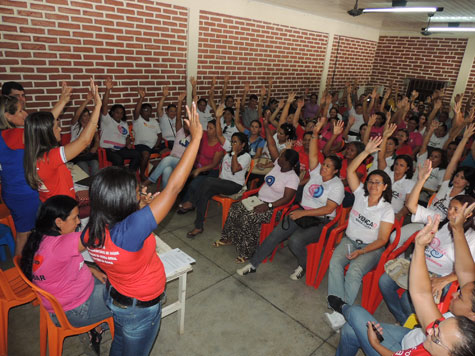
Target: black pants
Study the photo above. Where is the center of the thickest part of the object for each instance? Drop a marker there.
(117, 157)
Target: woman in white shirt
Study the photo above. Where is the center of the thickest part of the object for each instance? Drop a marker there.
(234, 166)
(321, 196)
(369, 225)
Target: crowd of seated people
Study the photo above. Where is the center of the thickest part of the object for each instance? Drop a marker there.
(387, 159)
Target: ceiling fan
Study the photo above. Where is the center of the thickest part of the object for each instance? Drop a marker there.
(397, 6)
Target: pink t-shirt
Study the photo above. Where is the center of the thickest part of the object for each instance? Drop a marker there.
(415, 139)
(59, 269)
(206, 152)
(326, 135)
(376, 131)
(275, 183)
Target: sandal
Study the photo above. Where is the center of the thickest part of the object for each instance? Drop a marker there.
(96, 338)
(193, 233)
(222, 242)
(181, 210)
(241, 259)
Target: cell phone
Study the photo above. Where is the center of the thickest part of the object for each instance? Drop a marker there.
(378, 334)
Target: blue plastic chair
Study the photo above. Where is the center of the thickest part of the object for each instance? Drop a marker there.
(6, 238)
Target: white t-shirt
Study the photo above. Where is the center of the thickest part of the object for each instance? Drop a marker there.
(441, 202)
(145, 132)
(228, 130)
(317, 192)
(280, 146)
(239, 177)
(438, 142)
(436, 176)
(76, 130)
(275, 183)
(364, 221)
(401, 190)
(181, 143)
(359, 120)
(440, 254)
(168, 127)
(113, 134)
(374, 165)
(205, 117)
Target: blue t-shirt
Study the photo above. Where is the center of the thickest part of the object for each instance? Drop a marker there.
(253, 146)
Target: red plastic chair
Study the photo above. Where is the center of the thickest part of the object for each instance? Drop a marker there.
(314, 250)
(13, 292)
(48, 329)
(226, 202)
(445, 304)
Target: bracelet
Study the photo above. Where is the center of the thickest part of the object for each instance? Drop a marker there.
(314, 136)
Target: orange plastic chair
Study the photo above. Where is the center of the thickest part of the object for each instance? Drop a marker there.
(49, 332)
(431, 199)
(226, 202)
(333, 239)
(6, 218)
(314, 250)
(13, 292)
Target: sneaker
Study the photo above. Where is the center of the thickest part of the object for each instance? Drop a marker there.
(298, 274)
(246, 270)
(336, 303)
(335, 320)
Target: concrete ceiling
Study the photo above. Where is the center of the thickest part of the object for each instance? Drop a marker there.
(462, 11)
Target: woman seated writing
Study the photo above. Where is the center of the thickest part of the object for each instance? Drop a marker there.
(52, 260)
(321, 196)
(242, 227)
(369, 225)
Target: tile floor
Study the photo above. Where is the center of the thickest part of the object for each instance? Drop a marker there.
(265, 313)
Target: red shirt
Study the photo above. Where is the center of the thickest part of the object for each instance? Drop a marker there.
(304, 161)
(404, 150)
(55, 176)
(344, 165)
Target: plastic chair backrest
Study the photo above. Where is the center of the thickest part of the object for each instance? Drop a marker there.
(431, 199)
(58, 309)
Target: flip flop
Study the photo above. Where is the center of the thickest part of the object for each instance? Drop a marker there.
(181, 210)
(222, 242)
(191, 235)
(241, 259)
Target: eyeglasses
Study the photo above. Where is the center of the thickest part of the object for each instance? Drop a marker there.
(373, 182)
(435, 338)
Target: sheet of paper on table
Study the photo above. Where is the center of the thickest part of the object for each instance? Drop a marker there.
(175, 260)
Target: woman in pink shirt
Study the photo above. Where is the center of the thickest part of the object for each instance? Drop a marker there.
(52, 260)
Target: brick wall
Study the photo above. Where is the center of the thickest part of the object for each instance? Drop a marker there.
(351, 58)
(418, 57)
(139, 42)
(252, 51)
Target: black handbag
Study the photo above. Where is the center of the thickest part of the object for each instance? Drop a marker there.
(304, 222)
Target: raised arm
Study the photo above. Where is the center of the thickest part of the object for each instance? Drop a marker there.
(80, 109)
(313, 160)
(349, 102)
(63, 100)
(464, 264)
(285, 111)
(138, 106)
(237, 119)
(219, 129)
(105, 100)
(225, 88)
(178, 122)
(75, 147)
(272, 119)
(211, 94)
(349, 125)
(371, 121)
(163, 202)
(162, 101)
(337, 130)
(271, 145)
(385, 99)
(300, 104)
(388, 132)
(428, 134)
(269, 90)
(244, 95)
(423, 174)
(420, 286)
(261, 99)
(452, 166)
(193, 86)
(351, 176)
(435, 110)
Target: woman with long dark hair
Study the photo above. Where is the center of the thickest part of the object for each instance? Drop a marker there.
(120, 240)
(52, 260)
(369, 225)
(45, 160)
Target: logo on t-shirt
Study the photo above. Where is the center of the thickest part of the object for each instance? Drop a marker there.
(316, 190)
(122, 130)
(184, 142)
(396, 195)
(433, 249)
(439, 205)
(364, 221)
(270, 180)
(37, 261)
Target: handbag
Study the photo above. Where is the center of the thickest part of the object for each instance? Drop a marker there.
(398, 270)
(304, 222)
(251, 202)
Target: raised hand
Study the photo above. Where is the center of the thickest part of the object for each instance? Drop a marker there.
(281, 104)
(338, 127)
(246, 87)
(65, 92)
(425, 236)
(165, 91)
(238, 103)
(470, 116)
(434, 125)
(414, 95)
(457, 106)
(109, 83)
(438, 104)
(351, 121)
(389, 131)
(213, 82)
(300, 103)
(461, 215)
(374, 93)
(193, 121)
(469, 131)
(291, 97)
(226, 78)
(289, 144)
(193, 81)
(328, 99)
(373, 145)
(220, 111)
(372, 120)
(182, 96)
(425, 170)
(141, 93)
(94, 91)
(263, 91)
(387, 93)
(320, 123)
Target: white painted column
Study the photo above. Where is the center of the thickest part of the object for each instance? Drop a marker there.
(192, 53)
(326, 65)
(465, 68)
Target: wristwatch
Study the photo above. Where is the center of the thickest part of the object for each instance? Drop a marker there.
(270, 205)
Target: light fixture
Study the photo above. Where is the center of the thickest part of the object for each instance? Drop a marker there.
(427, 9)
(449, 29)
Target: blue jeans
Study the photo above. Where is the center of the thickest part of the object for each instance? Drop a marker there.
(400, 307)
(135, 328)
(347, 287)
(354, 334)
(164, 169)
(89, 312)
